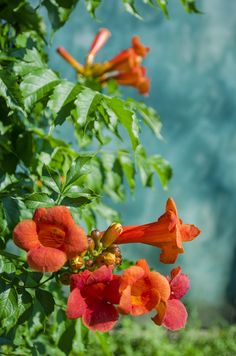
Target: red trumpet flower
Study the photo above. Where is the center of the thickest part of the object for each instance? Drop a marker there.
(51, 238)
(92, 297)
(168, 233)
(172, 314)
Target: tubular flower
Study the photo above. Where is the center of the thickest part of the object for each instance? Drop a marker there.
(172, 314)
(142, 290)
(168, 233)
(92, 297)
(51, 238)
(125, 67)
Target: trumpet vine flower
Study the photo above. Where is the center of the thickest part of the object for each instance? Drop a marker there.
(142, 290)
(168, 233)
(125, 68)
(92, 298)
(50, 238)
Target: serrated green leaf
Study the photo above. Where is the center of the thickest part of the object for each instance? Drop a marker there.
(8, 301)
(77, 169)
(62, 100)
(86, 103)
(38, 85)
(45, 300)
(163, 5)
(127, 119)
(38, 200)
(148, 115)
(31, 61)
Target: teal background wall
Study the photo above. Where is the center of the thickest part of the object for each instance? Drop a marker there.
(192, 71)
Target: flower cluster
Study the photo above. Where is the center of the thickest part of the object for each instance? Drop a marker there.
(99, 295)
(125, 68)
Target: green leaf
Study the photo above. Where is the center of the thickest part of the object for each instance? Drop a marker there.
(77, 202)
(163, 169)
(38, 85)
(127, 119)
(10, 92)
(56, 182)
(92, 5)
(130, 7)
(6, 265)
(38, 200)
(59, 11)
(86, 103)
(45, 300)
(163, 5)
(8, 301)
(66, 340)
(62, 100)
(128, 167)
(77, 169)
(21, 14)
(145, 169)
(31, 61)
(148, 115)
(11, 210)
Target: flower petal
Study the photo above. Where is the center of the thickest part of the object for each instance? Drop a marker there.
(100, 275)
(75, 241)
(76, 305)
(78, 280)
(58, 215)
(46, 259)
(112, 290)
(143, 264)
(179, 285)
(160, 283)
(101, 317)
(161, 309)
(125, 306)
(175, 316)
(130, 276)
(25, 235)
(189, 232)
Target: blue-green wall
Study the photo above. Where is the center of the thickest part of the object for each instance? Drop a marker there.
(192, 67)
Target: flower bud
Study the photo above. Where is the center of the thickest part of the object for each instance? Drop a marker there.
(96, 235)
(114, 249)
(91, 244)
(77, 262)
(65, 278)
(89, 263)
(118, 261)
(111, 234)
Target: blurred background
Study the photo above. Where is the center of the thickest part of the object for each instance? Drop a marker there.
(193, 88)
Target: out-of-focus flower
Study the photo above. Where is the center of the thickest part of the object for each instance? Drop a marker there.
(125, 67)
(92, 298)
(51, 238)
(172, 314)
(142, 290)
(168, 233)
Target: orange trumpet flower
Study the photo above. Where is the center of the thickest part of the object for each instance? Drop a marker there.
(51, 238)
(125, 67)
(142, 290)
(168, 233)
